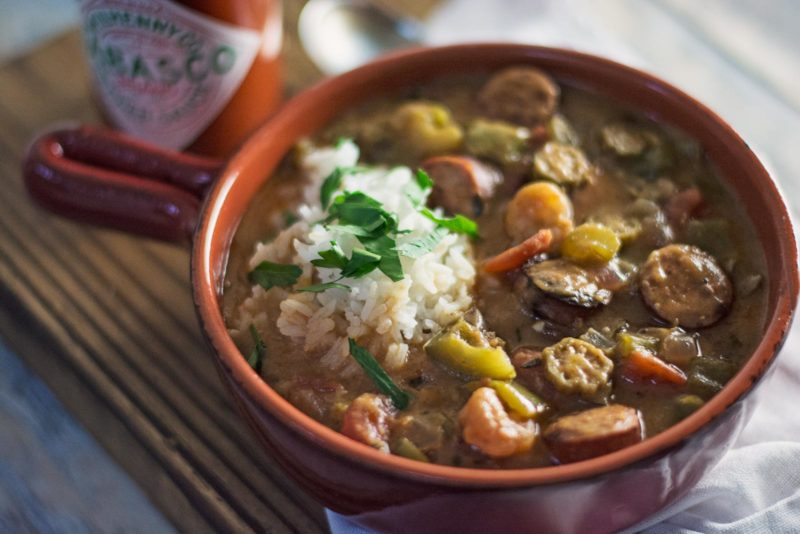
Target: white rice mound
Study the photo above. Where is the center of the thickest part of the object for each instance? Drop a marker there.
(383, 315)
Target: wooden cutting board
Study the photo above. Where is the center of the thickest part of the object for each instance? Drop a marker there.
(107, 321)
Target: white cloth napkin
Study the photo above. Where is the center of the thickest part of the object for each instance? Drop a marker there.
(756, 487)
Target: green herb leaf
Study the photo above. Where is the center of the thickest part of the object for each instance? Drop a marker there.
(373, 369)
(342, 140)
(424, 180)
(256, 357)
(458, 224)
(385, 247)
(350, 229)
(333, 182)
(319, 288)
(268, 274)
(423, 245)
(333, 258)
(329, 186)
(363, 216)
(418, 189)
(361, 232)
(361, 263)
(361, 210)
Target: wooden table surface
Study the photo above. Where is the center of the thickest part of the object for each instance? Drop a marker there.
(107, 321)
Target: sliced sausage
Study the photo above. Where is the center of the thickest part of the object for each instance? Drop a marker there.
(686, 286)
(461, 184)
(522, 95)
(558, 311)
(568, 282)
(526, 357)
(593, 433)
(367, 420)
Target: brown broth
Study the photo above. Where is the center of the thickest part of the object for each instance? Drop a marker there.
(439, 393)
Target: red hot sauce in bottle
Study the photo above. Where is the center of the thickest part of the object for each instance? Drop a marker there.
(197, 75)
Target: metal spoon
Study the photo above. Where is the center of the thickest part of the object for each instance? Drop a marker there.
(340, 35)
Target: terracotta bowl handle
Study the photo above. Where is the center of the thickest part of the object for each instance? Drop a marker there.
(110, 179)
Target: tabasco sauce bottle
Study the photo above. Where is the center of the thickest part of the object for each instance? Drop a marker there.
(194, 74)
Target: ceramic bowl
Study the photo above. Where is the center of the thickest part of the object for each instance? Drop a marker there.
(390, 493)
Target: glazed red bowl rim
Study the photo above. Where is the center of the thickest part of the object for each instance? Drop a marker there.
(206, 288)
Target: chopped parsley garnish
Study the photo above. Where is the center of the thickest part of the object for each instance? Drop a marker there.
(332, 258)
(374, 370)
(419, 247)
(361, 262)
(329, 186)
(256, 357)
(333, 182)
(417, 190)
(457, 224)
(386, 247)
(362, 216)
(423, 180)
(341, 140)
(268, 274)
(376, 229)
(319, 288)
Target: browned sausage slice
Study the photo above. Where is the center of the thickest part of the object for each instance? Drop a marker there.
(560, 312)
(522, 95)
(461, 183)
(686, 286)
(568, 282)
(593, 433)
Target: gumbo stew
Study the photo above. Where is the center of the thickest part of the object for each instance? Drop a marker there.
(496, 271)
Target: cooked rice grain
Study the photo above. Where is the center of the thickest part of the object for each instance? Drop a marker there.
(383, 315)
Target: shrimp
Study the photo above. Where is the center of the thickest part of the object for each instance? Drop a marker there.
(487, 425)
(368, 419)
(536, 206)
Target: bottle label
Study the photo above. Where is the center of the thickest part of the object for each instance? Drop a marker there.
(164, 72)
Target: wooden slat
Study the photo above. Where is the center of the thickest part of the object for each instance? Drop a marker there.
(107, 321)
(129, 348)
(96, 310)
(43, 347)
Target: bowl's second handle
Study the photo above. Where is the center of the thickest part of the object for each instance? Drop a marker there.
(107, 178)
